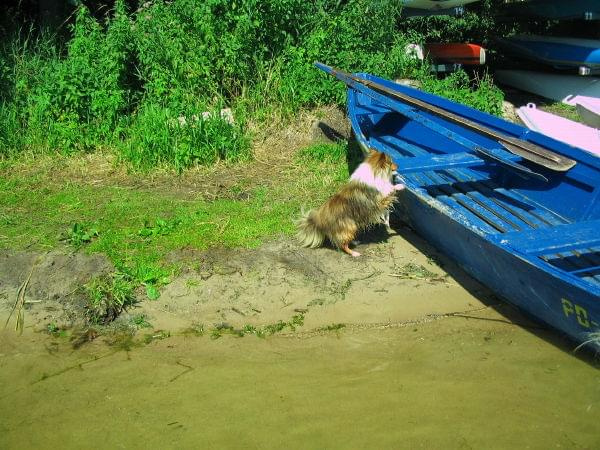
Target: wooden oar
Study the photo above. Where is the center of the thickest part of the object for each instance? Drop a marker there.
(526, 150)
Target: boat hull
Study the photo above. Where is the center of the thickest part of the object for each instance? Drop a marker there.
(543, 297)
(435, 4)
(589, 111)
(477, 219)
(568, 89)
(415, 12)
(562, 53)
(466, 54)
(555, 9)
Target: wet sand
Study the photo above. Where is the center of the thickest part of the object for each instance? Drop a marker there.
(449, 383)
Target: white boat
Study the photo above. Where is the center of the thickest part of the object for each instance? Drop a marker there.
(561, 129)
(569, 89)
(435, 4)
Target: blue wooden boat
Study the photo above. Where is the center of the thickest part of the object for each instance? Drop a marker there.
(554, 9)
(529, 232)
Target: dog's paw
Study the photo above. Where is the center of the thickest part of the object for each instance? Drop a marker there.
(399, 187)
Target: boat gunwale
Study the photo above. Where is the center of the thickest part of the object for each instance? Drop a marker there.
(513, 129)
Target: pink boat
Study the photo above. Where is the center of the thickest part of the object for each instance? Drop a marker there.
(561, 129)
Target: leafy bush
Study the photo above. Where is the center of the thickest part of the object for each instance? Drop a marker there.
(480, 93)
(157, 136)
(359, 37)
(477, 24)
(80, 99)
(124, 82)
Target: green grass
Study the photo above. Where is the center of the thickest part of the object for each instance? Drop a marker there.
(155, 136)
(563, 110)
(107, 296)
(137, 229)
(121, 218)
(324, 152)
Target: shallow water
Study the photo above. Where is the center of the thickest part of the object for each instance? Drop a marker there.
(449, 383)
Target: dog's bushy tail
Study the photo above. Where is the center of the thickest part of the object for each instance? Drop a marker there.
(309, 234)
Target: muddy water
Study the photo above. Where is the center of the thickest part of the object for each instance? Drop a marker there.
(449, 383)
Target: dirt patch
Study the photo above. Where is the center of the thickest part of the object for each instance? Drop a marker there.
(53, 284)
(391, 282)
(394, 281)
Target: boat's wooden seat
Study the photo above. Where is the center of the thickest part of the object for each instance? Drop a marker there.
(435, 162)
(556, 239)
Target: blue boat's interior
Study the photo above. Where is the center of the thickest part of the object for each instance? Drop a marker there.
(555, 221)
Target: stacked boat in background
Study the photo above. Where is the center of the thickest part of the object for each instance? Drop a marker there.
(413, 8)
(555, 9)
(448, 57)
(566, 53)
(566, 72)
(444, 57)
(459, 53)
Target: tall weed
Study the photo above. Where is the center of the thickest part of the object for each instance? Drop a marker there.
(480, 93)
(23, 60)
(10, 130)
(81, 97)
(157, 136)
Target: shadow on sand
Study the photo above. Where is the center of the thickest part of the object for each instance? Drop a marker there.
(511, 314)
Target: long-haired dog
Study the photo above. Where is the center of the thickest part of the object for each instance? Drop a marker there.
(361, 202)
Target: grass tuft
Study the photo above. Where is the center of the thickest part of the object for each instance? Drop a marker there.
(324, 152)
(80, 234)
(107, 296)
